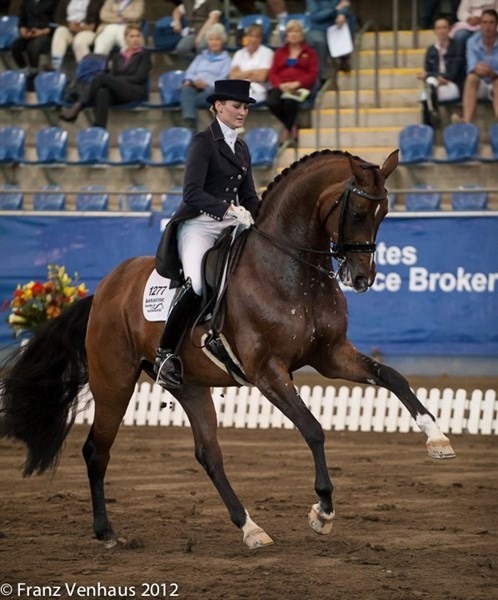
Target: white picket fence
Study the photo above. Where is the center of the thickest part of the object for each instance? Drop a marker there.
(342, 408)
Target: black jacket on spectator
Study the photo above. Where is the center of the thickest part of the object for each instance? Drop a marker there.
(454, 60)
(33, 14)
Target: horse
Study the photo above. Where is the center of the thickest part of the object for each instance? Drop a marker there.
(283, 309)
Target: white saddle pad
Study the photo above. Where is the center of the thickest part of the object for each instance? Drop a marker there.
(157, 297)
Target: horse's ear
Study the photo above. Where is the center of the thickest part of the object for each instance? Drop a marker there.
(358, 172)
(390, 164)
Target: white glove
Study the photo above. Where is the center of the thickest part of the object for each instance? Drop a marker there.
(241, 214)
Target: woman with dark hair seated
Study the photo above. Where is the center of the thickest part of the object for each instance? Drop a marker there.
(127, 81)
(292, 75)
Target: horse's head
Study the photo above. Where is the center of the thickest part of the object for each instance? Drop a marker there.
(351, 213)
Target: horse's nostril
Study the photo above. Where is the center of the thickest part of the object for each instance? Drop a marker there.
(361, 284)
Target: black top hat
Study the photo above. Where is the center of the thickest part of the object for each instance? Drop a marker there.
(231, 89)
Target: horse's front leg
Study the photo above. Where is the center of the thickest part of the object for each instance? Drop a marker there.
(348, 363)
(278, 388)
(198, 405)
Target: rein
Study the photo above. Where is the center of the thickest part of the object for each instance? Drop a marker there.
(338, 250)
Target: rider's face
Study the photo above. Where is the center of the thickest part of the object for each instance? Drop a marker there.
(232, 113)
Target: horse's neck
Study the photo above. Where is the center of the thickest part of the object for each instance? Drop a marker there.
(290, 211)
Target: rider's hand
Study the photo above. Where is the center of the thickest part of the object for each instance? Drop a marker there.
(241, 214)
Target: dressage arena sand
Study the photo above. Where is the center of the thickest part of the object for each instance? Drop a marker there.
(407, 527)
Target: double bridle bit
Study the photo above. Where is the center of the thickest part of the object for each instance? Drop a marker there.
(339, 249)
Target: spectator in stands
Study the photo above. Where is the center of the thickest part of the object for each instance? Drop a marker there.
(114, 16)
(253, 62)
(444, 72)
(199, 16)
(294, 68)
(35, 33)
(211, 64)
(481, 82)
(430, 9)
(323, 14)
(218, 192)
(469, 18)
(81, 18)
(127, 81)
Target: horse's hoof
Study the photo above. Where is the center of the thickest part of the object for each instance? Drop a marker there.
(319, 521)
(114, 541)
(440, 449)
(257, 538)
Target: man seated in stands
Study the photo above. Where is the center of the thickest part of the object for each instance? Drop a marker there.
(199, 16)
(469, 15)
(323, 14)
(444, 72)
(34, 32)
(81, 18)
(253, 62)
(481, 82)
(115, 15)
(210, 65)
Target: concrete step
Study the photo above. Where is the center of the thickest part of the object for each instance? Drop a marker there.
(406, 39)
(388, 98)
(407, 58)
(388, 78)
(352, 136)
(368, 117)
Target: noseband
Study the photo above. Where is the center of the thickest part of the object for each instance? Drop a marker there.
(341, 247)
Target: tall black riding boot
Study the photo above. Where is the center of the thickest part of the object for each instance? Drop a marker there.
(168, 364)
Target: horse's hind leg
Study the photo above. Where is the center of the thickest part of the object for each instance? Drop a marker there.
(110, 407)
(198, 404)
(348, 363)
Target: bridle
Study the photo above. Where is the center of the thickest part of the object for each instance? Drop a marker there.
(339, 248)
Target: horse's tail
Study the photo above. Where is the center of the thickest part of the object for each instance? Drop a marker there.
(41, 384)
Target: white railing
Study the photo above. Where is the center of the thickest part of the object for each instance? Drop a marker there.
(343, 408)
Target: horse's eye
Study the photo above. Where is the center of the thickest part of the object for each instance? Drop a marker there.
(357, 216)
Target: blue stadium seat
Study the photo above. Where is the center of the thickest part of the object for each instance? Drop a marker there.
(51, 145)
(49, 88)
(493, 140)
(304, 18)
(461, 142)
(164, 37)
(472, 197)
(171, 200)
(10, 197)
(135, 146)
(263, 146)
(428, 199)
(174, 143)
(50, 198)
(9, 31)
(92, 145)
(12, 141)
(169, 85)
(12, 88)
(138, 201)
(92, 198)
(257, 19)
(416, 143)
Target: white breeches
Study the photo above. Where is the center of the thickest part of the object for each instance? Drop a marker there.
(63, 38)
(112, 35)
(195, 237)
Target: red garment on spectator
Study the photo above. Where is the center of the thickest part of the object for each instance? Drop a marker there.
(305, 70)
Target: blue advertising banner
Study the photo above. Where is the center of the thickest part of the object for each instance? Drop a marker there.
(435, 292)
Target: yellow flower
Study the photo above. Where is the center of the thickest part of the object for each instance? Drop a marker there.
(16, 319)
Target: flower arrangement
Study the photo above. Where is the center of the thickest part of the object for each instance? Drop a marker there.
(34, 302)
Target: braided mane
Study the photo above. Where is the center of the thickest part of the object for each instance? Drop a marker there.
(304, 160)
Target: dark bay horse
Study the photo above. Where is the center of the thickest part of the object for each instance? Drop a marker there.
(284, 310)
